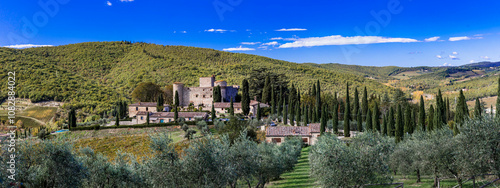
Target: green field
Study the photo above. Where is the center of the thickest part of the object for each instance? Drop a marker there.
(299, 177)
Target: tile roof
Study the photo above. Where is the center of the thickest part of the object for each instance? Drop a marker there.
(148, 104)
(227, 105)
(315, 127)
(181, 114)
(288, 131)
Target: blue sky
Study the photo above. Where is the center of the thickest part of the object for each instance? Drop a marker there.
(377, 33)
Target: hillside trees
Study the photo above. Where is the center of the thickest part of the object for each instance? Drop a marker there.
(146, 92)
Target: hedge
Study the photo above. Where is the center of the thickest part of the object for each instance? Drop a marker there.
(97, 127)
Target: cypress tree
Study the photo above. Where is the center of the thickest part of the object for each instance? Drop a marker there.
(359, 121)
(159, 103)
(306, 115)
(285, 113)
(258, 112)
(437, 119)
(245, 97)
(70, 118)
(176, 113)
(355, 104)
(297, 113)
(217, 95)
(147, 119)
(399, 124)
(176, 100)
(273, 101)
(117, 122)
(391, 123)
(413, 124)
(407, 126)
(477, 109)
(440, 107)
(213, 113)
(421, 114)
(430, 119)
(280, 101)
(448, 114)
(462, 111)
(376, 116)
(291, 109)
(364, 102)
(323, 121)
(231, 108)
(347, 114)
(369, 125)
(491, 111)
(266, 91)
(318, 100)
(384, 125)
(335, 119)
(497, 115)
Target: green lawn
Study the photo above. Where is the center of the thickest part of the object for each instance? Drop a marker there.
(299, 177)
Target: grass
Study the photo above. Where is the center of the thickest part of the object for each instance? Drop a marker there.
(299, 177)
(428, 182)
(41, 113)
(27, 122)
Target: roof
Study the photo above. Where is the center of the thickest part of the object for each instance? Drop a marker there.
(148, 104)
(255, 103)
(227, 105)
(143, 113)
(281, 131)
(315, 127)
(181, 114)
(219, 81)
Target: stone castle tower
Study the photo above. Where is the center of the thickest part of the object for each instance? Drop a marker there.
(202, 95)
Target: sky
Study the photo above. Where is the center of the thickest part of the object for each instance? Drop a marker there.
(375, 33)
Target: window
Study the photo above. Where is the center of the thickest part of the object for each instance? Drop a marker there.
(161, 120)
(142, 117)
(146, 108)
(276, 140)
(189, 119)
(305, 140)
(210, 96)
(136, 108)
(196, 95)
(203, 96)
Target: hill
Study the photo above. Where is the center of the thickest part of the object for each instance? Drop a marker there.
(94, 75)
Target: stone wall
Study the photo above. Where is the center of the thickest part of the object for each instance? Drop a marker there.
(132, 110)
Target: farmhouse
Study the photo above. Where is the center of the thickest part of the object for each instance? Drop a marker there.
(308, 134)
(165, 117)
(133, 109)
(202, 96)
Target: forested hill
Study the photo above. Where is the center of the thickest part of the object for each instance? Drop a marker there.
(93, 75)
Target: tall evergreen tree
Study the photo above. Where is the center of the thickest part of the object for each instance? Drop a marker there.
(448, 114)
(384, 125)
(413, 123)
(437, 119)
(440, 107)
(462, 111)
(266, 91)
(364, 102)
(258, 112)
(359, 121)
(245, 97)
(217, 95)
(117, 121)
(430, 119)
(335, 119)
(273, 101)
(176, 100)
(318, 100)
(297, 113)
(399, 124)
(231, 108)
(369, 125)
(391, 126)
(176, 113)
(375, 117)
(213, 113)
(291, 107)
(347, 114)
(421, 114)
(407, 126)
(355, 104)
(159, 103)
(147, 118)
(280, 102)
(306, 115)
(497, 115)
(478, 109)
(323, 121)
(285, 113)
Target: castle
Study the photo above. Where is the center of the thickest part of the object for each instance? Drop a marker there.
(203, 96)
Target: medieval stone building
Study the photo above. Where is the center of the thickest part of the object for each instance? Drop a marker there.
(202, 96)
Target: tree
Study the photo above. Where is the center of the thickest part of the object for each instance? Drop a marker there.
(273, 101)
(399, 124)
(297, 113)
(245, 97)
(285, 113)
(421, 113)
(280, 101)
(147, 118)
(159, 103)
(231, 108)
(440, 107)
(117, 122)
(384, 125)
(258, 112)
(335, 118)
(497, 115)
(407, 126)
(213, 112)
(323, 121)
(355, 104)
(266, 91)
(364, 102)
(306, 115)
(391, 126)
(176, 113)
(217, 95)
(359, 121)
(369, 125)
(176, 101)
(462, 111)
(318, 100)
(347, 114)
(430, 119)
(477, 109)
(376, 116)
(146, 92)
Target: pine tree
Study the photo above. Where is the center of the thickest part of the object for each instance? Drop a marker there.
(335, 119)
(407, 126)
(355, 104)
(375, 118)
(318, 100)
(258, 112)
(430, 119)
(421, 114)
(347, 114)
(399, 124)
(359, 121)
(477, 109)
(391, 126)
(213, 113)
(364, 102)
(231, 108)
(323, 121)
(245, 97)
(273, 101)
(266, 91)
(369, 125)
(440, 107)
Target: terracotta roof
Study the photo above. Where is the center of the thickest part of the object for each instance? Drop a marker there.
(255, 103)
(288, 131)
(227, 105)
(148, 104)
(219, 81)
(142, 113)
(315, 127)
(181, 114)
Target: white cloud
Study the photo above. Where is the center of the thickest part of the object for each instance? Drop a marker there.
(276, 38)
(217, 30)
(340, 40)
(432, 39)
(459, 38)
(452, 57)
(250, 43)
(455, 53)
(485, 57)
(471, 61)
(291, 29)
(126, 0)
(270, 43)
(109, 3)
(238, 49)
(21, 46)
(183, 31)
(439, 56)
(447, 64)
